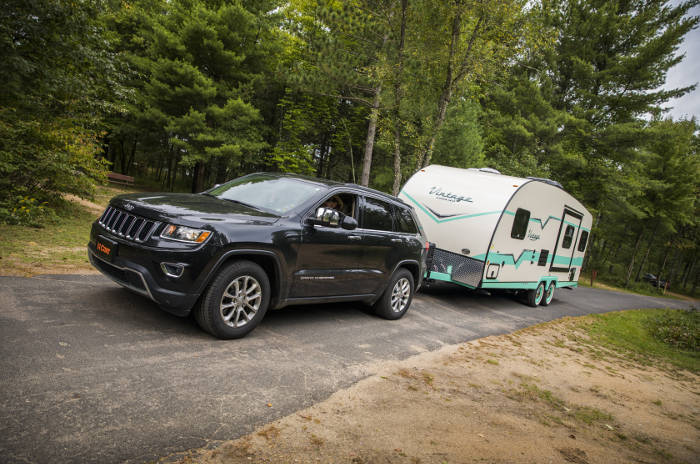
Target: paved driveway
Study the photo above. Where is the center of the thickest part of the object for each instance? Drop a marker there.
(93, 373)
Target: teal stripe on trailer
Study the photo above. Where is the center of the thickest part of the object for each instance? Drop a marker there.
(527, 256)
(511, 285)
(542, 224)
(525, 285)
(440, 221)
(441, 276)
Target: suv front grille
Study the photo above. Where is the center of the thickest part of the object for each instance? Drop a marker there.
(127, 225)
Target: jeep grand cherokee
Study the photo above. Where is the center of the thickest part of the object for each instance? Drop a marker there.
(261, 241)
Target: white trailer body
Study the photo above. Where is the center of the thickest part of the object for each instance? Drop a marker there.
(496, 231)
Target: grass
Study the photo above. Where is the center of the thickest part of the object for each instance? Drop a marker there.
(584, 414)
(641, 287)
(57, 246)
(628, 333)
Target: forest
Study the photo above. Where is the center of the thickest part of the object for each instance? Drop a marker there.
(183, 94)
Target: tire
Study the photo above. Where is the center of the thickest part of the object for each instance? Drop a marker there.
(235, 302)
(534, 297)
(397, 297)
(548, 295)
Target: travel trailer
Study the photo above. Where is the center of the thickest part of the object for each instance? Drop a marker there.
(493, 231)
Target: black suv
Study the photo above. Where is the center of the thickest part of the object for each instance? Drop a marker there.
(261, 241)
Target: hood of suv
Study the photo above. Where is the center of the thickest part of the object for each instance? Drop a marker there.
(190, 208)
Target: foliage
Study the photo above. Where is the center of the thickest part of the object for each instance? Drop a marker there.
(627, 333)
(55, 60)
(679, 329)
(183, 94)
(459, 142)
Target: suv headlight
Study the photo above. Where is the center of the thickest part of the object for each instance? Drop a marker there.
(185, 234)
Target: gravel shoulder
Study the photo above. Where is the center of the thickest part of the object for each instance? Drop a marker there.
(542, 394)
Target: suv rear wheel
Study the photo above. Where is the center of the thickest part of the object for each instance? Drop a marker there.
(397, 297)
(235, 302)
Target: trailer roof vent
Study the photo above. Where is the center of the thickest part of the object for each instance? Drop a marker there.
(490, 170)
(548, 181)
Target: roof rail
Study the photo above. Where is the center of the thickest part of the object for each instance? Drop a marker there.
(490, 170)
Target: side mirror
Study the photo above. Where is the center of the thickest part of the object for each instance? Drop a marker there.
(348, 223)
(327, 217)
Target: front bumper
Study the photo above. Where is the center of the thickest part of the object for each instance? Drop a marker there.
(138, 269)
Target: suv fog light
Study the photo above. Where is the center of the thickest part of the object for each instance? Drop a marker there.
(172, 269)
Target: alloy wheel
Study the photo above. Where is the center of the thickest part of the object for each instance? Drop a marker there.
(240, 301)
(400, 295)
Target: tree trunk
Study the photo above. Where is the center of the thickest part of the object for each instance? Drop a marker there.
(609, 247)
(159, 167)
(352, 158)
(675, 260)
(456, 72)
(634, 255)
(371, 132)
(132, 155)
(442, 112)
(322, 155)
(646, 255)
(397, 103)
(220, 177)
(663, 266)
(198, 177)
(122, 156)
(688, 273)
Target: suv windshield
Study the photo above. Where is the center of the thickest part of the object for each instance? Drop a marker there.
(268, 193)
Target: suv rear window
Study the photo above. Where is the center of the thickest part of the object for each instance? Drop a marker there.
(376, 215)
(405, 222)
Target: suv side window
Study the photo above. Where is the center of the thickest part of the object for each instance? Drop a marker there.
(346, 203)
(405, 222)
(376, 215)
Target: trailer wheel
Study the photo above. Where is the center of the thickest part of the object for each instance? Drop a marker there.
(549, 294)
(534, 297)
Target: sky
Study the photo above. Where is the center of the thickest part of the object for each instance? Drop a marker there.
(687, 72)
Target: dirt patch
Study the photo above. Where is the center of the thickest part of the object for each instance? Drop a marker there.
(40, 259)
(92, 207)
(538, 395)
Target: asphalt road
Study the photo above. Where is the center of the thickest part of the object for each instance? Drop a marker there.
(93, 373)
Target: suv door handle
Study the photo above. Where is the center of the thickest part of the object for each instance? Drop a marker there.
(396, 240)
(354, 237)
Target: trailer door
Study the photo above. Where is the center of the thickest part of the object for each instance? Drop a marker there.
(566, 241)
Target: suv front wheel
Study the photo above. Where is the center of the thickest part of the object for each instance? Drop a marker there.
(235, 302)
(397, 297)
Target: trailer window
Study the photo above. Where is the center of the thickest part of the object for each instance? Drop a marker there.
(522, 217)
(568, 237)
(583, 240)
